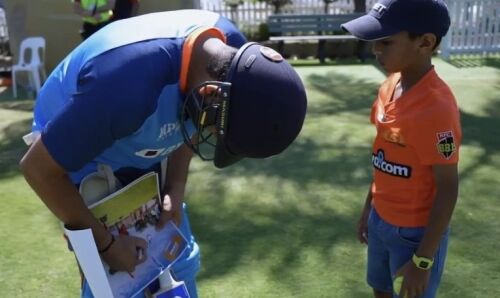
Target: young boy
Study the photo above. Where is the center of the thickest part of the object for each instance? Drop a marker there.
(415, 153)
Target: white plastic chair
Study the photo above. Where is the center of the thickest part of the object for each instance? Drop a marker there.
(34, 66)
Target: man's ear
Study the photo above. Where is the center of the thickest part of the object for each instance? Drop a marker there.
(208, 90)
(427, 43)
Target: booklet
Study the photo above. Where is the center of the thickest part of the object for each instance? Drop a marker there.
(133, 210)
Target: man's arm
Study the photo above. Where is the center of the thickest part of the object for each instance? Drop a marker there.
(52, 184)
(175, 184)
(54, 187)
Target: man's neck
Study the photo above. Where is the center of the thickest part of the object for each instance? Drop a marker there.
(204, 50)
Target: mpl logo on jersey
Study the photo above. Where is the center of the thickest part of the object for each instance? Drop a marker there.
(446, 144)
(168, 129)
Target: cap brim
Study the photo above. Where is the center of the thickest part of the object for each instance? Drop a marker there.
(368, 28)
(223, 158)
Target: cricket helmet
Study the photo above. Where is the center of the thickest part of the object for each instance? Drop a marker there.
(259, 109)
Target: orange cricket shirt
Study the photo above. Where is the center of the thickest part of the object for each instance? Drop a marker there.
(419, 129)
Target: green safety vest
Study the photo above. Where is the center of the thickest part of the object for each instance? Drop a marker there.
(104, 16)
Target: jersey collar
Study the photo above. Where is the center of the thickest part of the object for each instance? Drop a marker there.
(187, 50)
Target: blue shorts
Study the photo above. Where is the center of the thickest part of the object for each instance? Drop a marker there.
(390, 247)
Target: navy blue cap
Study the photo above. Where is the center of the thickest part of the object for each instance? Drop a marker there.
(389, 17)
(267, 106)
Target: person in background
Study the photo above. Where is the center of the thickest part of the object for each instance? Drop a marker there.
(125, 9)
(415, 154)
(95, 14)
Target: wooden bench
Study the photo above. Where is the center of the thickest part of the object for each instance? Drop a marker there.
(321, 27)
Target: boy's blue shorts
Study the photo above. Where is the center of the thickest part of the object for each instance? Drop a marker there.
(390, 247)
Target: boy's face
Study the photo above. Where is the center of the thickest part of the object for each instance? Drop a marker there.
(398, 52)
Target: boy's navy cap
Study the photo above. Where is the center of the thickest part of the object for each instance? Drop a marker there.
(389, 17)
(267, 106)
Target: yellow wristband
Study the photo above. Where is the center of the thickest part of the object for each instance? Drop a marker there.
(422, 262)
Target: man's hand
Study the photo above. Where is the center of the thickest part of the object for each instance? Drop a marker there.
(172, 210)
(175, 184)
(123, 254)
(415, 280)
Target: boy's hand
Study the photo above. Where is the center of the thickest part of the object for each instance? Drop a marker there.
(363, 225)
(415, 280)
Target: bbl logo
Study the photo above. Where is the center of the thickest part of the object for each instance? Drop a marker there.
(446, 144)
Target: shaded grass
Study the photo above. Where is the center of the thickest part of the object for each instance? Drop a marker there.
(285, 226)
(314, 191)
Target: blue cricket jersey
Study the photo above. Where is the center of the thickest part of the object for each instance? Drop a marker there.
(115, 99)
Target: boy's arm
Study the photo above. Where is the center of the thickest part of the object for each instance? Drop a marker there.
(446, 177)
(416, 279)
(363, 219)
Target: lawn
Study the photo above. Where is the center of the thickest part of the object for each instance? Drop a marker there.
(284, 227)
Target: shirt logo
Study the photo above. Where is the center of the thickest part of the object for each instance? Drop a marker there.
(271, 54)
(154, 153)
(394, 135)
(388, 167)
(446, 144)
(167, 130)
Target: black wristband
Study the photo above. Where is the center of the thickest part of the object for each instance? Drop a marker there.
(108, 246)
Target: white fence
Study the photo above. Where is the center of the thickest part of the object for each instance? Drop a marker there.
(475, 28)
(475, 24)
(249, 15)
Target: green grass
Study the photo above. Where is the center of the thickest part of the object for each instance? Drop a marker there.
(285, 226)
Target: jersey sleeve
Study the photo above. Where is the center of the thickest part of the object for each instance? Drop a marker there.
(116, 93)
(438, 140)
(234, 36)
